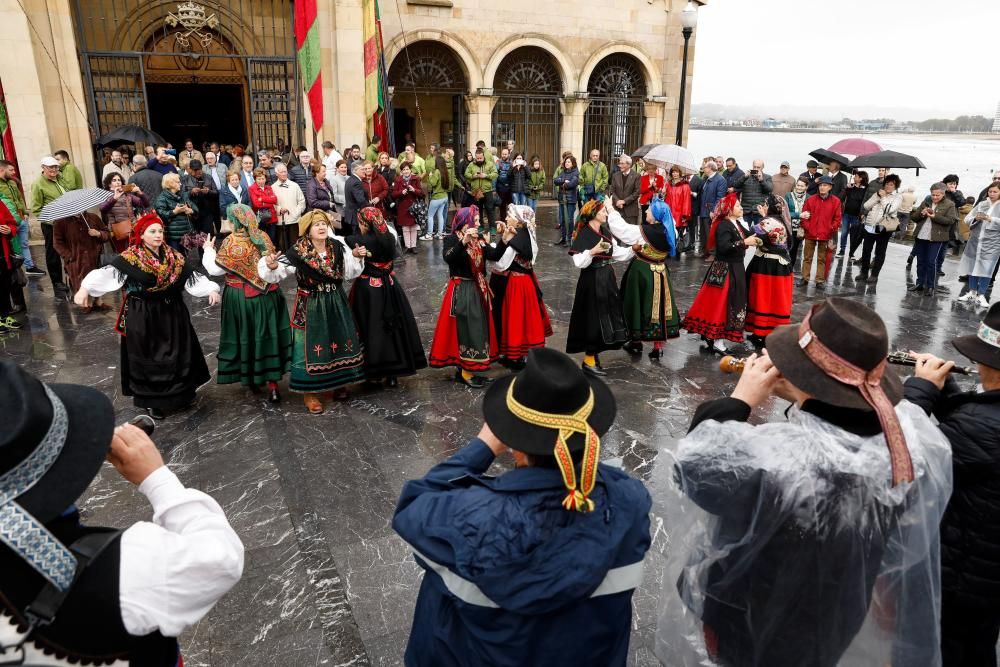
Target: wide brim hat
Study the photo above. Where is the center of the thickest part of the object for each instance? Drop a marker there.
(89, 429)
(851, 330)
(984, 346)
(551, 383)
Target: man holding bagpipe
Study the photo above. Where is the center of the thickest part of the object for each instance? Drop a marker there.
(970, 529)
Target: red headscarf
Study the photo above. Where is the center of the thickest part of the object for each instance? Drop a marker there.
(145, 221)
(722, 211)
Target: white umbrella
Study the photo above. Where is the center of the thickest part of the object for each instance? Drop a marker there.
(669, 155)
(72, 203)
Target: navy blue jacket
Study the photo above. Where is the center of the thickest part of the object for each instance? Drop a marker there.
(733, 177)
(226, 199)
(712, 191)
(512, 578)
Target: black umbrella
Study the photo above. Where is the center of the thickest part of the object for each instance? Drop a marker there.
(889, 160)
(826, 156)
(130, 134)
(642, 150)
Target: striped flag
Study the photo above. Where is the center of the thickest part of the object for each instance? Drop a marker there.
(7, 137)
(376, 98)
(307, 43)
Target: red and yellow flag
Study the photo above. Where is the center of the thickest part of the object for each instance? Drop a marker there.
(375, 92)
(307, 43)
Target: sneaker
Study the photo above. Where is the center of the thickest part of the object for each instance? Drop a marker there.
(982, 302)
(426, 237)
(34, 272)
(967, 297)
(840, 255)
(12, 324)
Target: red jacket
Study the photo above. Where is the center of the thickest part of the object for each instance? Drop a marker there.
(678, 198)
(263, 198)
(649, 187)
(376, 187)
(824, 218)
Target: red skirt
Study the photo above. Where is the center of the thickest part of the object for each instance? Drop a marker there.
(709, 314)
(769, 303)
(525, 320)
(464, 335)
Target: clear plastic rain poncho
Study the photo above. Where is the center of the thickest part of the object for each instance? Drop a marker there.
(788, 546)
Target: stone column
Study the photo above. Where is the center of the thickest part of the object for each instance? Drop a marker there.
(653, 111)
(43, 86)
(571, 133)
(480, 109)
(342, 49)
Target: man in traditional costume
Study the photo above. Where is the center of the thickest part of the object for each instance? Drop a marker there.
(647, 298)
(535, 567)
(381, 310)
(597, 322)
(162, 364)
(464, 336)
(255, 344)
(813, 541)
(519, 314)
(72, 594)
(719, 310)
(327, 350)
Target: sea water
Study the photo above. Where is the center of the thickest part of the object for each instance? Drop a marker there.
(972, 157)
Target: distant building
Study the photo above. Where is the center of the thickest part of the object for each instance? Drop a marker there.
(996, 119)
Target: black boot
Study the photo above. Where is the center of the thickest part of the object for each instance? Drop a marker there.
(155, 413)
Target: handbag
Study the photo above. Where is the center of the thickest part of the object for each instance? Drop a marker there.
(418, 211)
(264, 216)
(717, 274)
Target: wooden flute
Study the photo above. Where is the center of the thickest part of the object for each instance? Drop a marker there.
(731, 364)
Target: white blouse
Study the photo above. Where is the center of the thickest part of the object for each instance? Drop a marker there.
(508, 256)
(107, 279)
(353, 266)
(619, 253)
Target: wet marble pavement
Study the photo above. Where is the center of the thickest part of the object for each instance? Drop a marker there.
(326, 580)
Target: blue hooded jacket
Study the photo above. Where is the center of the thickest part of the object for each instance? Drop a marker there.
(514, 579)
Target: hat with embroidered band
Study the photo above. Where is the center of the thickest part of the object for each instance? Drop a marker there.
(984, 347)
(551, 408)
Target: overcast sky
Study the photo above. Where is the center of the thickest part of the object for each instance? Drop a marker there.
(944, 52)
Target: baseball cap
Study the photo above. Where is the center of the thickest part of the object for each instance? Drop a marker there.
(49, 161)
(786, 164)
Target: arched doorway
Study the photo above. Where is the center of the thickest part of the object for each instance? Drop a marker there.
(527, 86)
(615, 118)
(429, 85)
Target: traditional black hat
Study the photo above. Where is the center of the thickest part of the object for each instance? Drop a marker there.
(551, 408)
(53, 440)
(984, 347)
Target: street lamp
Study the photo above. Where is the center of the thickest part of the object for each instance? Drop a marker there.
(689, 19)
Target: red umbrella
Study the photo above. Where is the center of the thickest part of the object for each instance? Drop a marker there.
(855, 147)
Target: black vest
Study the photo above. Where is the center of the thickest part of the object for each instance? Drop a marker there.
(89, 624)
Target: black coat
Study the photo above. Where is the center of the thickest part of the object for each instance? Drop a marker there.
(355, 199)
(970, 529)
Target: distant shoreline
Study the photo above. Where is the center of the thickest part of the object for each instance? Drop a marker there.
(824, 130)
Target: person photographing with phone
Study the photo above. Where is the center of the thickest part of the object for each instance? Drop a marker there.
(72, 593)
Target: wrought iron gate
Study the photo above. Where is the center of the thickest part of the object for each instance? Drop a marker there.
(527, 86)
(118, 91)
(615, 120)
(272, 109)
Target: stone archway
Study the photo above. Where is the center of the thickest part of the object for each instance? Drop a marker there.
(616, 92)
(562, 64)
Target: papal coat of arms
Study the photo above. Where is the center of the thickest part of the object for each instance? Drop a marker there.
(193, 19)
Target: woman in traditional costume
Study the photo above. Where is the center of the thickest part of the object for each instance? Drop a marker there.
(255, 344)
(327, 351)
(519, 314)
(381, 309)
(719, 310)
(597, 322)
(162, 364)
(465, 336)
(647, 297)
(769, 274)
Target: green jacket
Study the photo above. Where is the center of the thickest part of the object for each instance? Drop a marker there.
(11, 189)
(450, 161)
(70, 177)
(418, 163)
(536, 183)
(597, 176)
(484, 184)
(436, 189)
(175, 225)
(42, 192)
(15, 242)
(371, 153)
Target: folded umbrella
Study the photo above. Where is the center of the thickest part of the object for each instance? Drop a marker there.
(827, 156)
(130, 134)
(642, 150)
(855, 147)
(73, 202)
(889, 160)
(669, 155)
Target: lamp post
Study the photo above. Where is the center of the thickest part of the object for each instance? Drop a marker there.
(689, 19)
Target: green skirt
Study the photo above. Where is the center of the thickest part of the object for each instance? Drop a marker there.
(255, 344)
(646, 292)
(327, 351)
